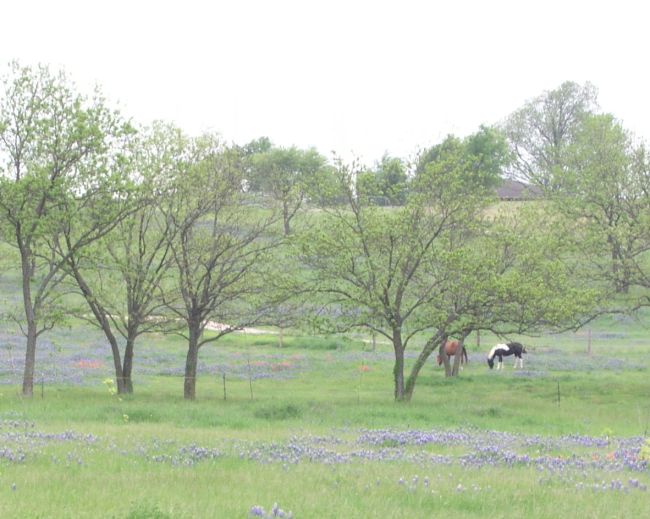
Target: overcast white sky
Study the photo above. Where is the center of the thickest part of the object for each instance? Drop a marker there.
(356, 77)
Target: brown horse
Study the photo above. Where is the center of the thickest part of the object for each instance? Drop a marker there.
(451, 347)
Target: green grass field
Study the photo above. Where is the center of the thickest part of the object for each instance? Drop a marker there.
(313, 427)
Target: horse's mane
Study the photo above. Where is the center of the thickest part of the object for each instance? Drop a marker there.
(497, 347)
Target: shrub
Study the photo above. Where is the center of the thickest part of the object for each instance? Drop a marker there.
(279, 412)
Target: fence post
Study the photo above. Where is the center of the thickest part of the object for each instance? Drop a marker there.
(224, 385)
(250, 376)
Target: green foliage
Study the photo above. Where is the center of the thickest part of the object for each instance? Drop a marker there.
(389, 270)
(605, 198)
(259, 145)
(278, 412)
(386, 185)
(336, 343)
(645, 451)
(521, 278)
(279, 170)
(64, 186)
(540, 131)
(438, 265)
(289, 176)
(479, 160)
(221, 250)
(147, 511)
(122, 277)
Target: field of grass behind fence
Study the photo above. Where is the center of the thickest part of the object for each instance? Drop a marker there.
(312, 426)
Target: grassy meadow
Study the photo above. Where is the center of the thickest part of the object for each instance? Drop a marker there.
(312, 427)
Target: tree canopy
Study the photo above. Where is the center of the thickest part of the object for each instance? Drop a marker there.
(541, 130)
(63, 187)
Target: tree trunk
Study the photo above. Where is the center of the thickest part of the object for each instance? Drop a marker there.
(128, 364)
(398, 369)
(191, 362)
(115, 350)
(117, 364)
(398, 375)
(426, 352)
(102, 318)
(619, 272)
(30, 359)
(27, 267)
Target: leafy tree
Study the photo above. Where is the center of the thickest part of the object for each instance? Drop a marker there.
(367, 185)
(60, 173)
(438, 265)
(449, 145)
(488, 153)
(373, 266)
(248, 152)
(605, 197)
(121, 277)
(220, 252)
(387, 184)
(289, 175)
(541, 130)
(485, 155)
(256, 146)
(512, 276)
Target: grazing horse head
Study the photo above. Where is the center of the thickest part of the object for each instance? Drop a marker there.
(503, 350)
(497, 351)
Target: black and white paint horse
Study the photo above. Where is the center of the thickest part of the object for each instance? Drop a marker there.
(503, 350)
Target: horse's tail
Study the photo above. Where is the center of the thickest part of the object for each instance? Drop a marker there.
(464, 354)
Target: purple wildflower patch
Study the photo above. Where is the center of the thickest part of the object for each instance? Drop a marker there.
(276, 511)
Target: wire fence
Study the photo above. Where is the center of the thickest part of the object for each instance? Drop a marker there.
(237, 371)
(223, 372)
